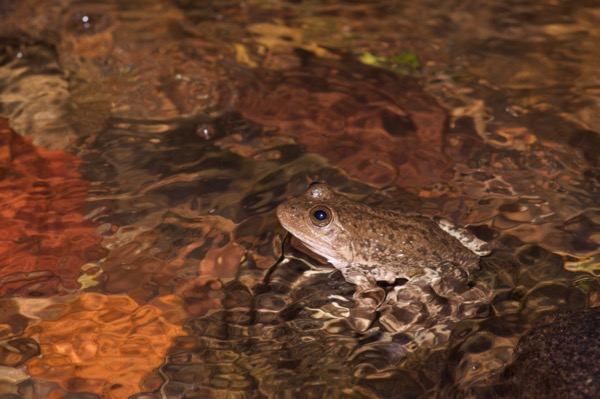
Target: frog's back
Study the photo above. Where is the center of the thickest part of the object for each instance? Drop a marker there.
(402, 242)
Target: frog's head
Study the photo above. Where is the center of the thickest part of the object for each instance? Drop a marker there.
(314, 219)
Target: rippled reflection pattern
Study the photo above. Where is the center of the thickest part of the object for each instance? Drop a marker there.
(45, 239)
(378, 127)
(103, 344)
(139, 251)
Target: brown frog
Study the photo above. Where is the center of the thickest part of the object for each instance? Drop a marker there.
(369, 244)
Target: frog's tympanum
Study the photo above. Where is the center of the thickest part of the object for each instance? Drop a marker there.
(369, 244)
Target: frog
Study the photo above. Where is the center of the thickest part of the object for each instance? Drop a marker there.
(370, 245)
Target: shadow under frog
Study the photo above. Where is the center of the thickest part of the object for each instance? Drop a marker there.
(370, 245)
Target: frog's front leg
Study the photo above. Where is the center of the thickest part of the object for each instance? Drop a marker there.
(367, 298)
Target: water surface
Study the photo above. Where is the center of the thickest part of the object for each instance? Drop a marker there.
(147, 144)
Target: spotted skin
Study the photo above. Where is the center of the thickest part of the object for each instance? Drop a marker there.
(385, 245)
(369, 244)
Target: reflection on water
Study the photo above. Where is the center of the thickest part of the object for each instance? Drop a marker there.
(377, 126)
(83, 340)
(45, 239)
(148, 143)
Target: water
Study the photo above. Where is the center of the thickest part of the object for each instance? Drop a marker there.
(148, 144)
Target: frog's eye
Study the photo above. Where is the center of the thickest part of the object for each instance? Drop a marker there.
(321, 216)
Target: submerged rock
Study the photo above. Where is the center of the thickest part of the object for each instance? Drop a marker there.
(560, 358)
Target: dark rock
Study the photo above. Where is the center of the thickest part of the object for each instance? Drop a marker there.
(559, 358)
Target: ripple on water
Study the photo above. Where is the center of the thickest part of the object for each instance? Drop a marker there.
(195, 119)
(45, 238)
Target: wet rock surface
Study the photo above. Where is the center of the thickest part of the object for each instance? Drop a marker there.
(559, 358)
